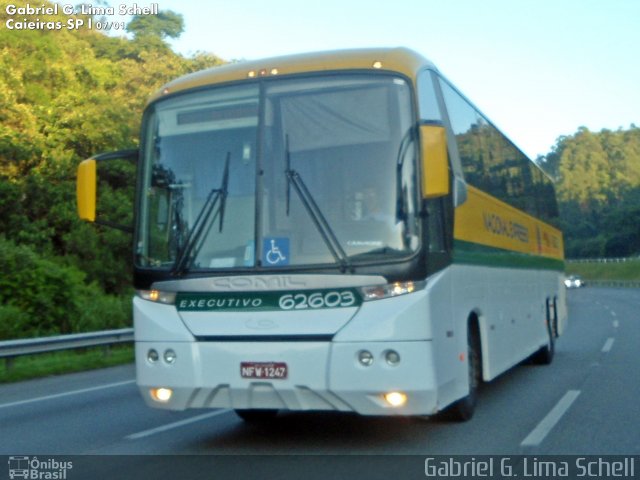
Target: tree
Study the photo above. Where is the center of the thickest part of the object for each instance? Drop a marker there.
(64, 96)
(166, 24)
(598, 191)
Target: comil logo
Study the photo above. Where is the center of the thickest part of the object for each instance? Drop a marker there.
(38, 469)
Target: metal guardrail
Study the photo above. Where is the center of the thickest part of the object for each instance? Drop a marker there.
(603, 260)
(10, 349)
(614, 283)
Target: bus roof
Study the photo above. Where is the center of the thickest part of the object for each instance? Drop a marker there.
(402, 60)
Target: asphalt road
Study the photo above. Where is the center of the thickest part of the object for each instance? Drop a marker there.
(586, 403)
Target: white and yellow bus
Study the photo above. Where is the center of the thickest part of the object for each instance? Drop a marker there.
(339, 231)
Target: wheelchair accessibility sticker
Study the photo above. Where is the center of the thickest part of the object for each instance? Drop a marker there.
(275, 251)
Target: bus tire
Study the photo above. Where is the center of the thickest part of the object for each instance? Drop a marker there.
(463, 409)
(545, 355)
(555, 331)
(257, 416)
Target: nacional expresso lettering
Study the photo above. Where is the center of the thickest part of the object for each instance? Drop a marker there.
(498, 225)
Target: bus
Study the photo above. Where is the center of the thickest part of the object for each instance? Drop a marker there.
(339, 231)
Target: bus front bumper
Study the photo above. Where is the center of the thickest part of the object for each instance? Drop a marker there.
(327, 376)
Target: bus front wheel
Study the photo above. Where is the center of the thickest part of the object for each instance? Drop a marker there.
(463, 409)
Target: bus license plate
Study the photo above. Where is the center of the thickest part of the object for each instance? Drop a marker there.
(271, 370)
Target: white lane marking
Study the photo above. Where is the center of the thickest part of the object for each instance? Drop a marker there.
(539, 433)
(616, 324)
(170, 426)
(608, 344)
(66, 394)
(614, 314)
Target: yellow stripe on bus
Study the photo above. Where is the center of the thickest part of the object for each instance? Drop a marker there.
(485, 220)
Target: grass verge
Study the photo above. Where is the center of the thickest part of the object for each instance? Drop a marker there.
(629, 270)
(66, 361)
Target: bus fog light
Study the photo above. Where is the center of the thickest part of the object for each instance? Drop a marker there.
(170, 356)
(162, 395)
(395, 399)
(365, 357)
(152, 356)
(392, 357)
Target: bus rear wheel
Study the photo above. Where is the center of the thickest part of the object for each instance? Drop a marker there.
(463, 409)
(545, 355)
(257, 416)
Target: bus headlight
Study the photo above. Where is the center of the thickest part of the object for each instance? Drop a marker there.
(392, 357)
(378, 292)
(170, 356)
(365, 357)
(152, 356)
(158, 296)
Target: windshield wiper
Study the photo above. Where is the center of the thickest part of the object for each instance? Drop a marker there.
(310, 205)
(206, 218)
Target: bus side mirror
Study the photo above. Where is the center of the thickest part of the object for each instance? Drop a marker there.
(435, 162)
(86, 185)
(86, 190)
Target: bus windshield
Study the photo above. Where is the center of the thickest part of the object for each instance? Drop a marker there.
(279, 173)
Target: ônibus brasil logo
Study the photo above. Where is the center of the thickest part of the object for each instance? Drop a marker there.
(38, 469)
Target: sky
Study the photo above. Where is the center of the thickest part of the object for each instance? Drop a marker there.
(538, 69)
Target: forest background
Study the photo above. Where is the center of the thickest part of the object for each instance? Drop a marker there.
(67, 95)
